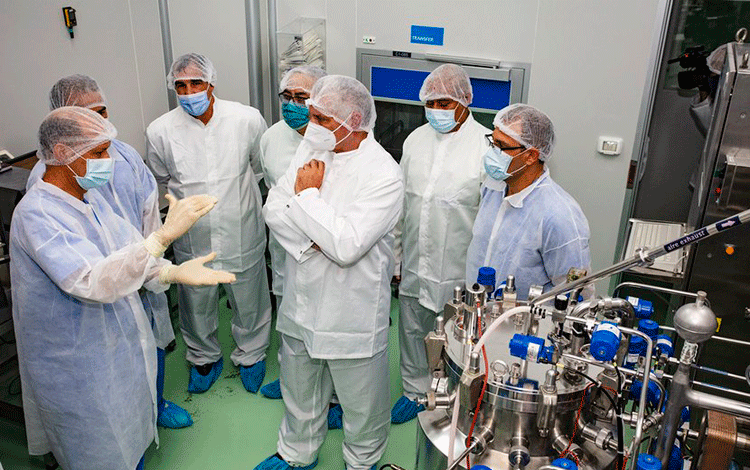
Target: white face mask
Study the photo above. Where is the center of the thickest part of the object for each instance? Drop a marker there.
(321, 138)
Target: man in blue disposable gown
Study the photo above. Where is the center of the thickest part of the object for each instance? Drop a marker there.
(133, 195)
(87, 355)
(527, 225)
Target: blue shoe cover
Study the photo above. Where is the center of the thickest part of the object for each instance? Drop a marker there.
(201, 383)
(405, 410)
(335, 416)
(275, 462)
(272, 390)
(252, 376)
(173, 417)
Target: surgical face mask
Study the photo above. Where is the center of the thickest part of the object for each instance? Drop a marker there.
(321, 138)
(295, 116)
(98, 173)
(195, 104)
(442, 120)
(496, 163)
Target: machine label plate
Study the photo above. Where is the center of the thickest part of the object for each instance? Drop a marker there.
(728, 223)
(427, 35)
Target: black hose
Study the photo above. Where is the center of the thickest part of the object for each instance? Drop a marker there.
(619, 409)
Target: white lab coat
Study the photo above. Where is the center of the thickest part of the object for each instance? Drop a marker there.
(87, 355)
(536, 235)
(133, 195)
(443, 175)
(277, 149)
(337, 300)
(220, 159)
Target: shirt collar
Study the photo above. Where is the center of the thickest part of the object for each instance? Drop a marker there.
(515, 200)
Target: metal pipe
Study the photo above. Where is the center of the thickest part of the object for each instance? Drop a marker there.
(166, 46)
(697, 383)
(254, 54)
(678, 399)
(717, 403)
(647, 256)
(741, 378)
(273, 58)
(653, 288)
(717, 338)
(463, 455)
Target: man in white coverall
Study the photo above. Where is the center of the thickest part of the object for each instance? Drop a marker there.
(443, 173)
(208, 145)
(86, 350)
(333, 211)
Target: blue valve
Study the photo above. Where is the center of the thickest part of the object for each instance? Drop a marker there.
(565, 464)
(486, 277)
(636, 348)
(649, 327)
(653, 394)
(643, 308)
(675, 458)
(648, 462)
(480, 467)
(605, 340)
(530, 348)
(664, 345)
(685, 414)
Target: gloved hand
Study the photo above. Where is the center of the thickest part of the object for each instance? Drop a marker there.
(193, 273)
(183, 213)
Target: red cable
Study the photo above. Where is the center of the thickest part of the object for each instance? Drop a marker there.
(575, 425)
(484, 387)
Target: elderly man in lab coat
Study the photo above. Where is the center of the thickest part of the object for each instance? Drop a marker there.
(133, 195)
(333, 211)
(86, 350)
(527, 225)
(211, 145)
(443, 173)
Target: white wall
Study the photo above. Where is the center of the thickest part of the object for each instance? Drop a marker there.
(589, 60)
(117, 42)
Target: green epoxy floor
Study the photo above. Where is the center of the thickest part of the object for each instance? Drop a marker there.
(233, 429)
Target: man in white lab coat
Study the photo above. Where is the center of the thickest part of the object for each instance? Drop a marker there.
(208, 145)
(333, 211)
(443, 173)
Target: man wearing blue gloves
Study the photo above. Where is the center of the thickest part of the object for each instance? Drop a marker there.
(211, 145)
(133, 195)
(527, 225)
(86, 351)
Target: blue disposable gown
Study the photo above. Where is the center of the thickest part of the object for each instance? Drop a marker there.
(133, 195)
(87, 355)
(536, 235)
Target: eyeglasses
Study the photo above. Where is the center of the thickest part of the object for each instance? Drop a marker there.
(491, 140)
(300, 99)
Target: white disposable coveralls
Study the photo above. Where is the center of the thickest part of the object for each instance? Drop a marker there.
(86, 351)
(133, 195)
(334, 314)
(536, 235)
(443, 174)
(277, 148)
(218, 159)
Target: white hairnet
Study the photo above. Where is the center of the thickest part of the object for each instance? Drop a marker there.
(303, 77)
(715, 60)
(447, 81)
(529, 126)
(77, 129)
(76, 90)
(346, 100)
(191, 66)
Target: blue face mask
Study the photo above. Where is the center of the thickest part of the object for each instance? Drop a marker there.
(98, 173)
(496, 163)
(295, 116)
(442, 120)
(195, 104)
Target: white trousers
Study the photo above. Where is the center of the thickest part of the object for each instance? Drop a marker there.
(251, 318)
(307, 385)
(414, 322)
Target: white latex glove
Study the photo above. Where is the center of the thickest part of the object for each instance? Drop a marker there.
(183, 213)
(193, 273)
